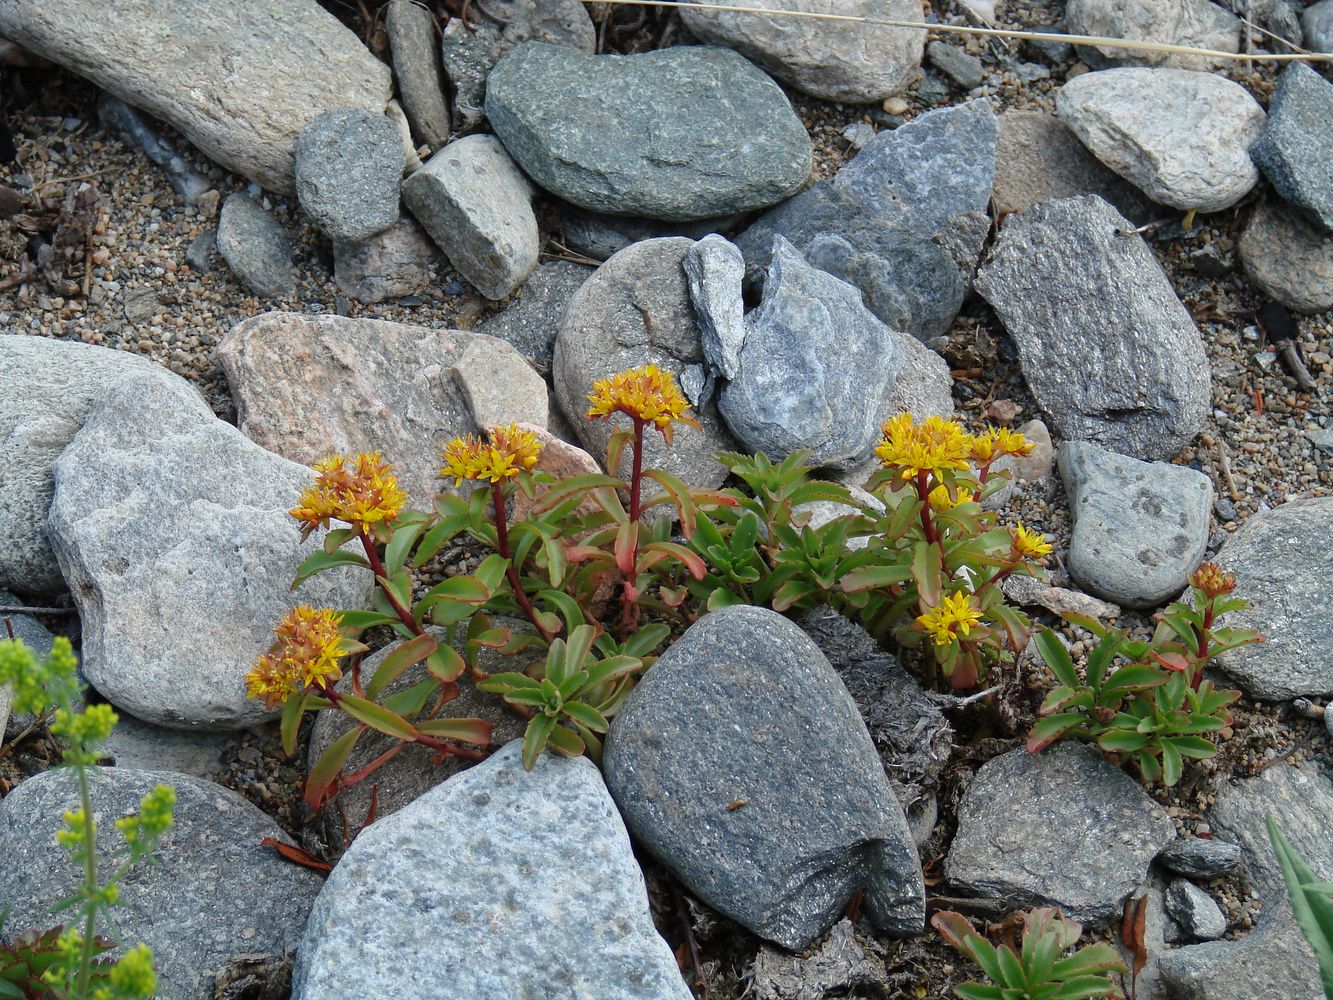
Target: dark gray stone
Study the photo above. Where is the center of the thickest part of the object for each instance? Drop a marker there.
(34, 634)
(348, 165)
(1140, 528)
(395, 263)
(122, 119)
(497, 883)
(1132, 374)
(255, 247)
(1064, 827)
(1196, 911)
(600, 237)
(1295, 150)
(531, 320)
(778, 816)
(471, 50)
(960, 66)
(214, 892)
(1272, 961)
(1288, 258)
(199, 254)
(1318, 24)
(651, 134)
(1200, 857)
(715, 270)
(416, 67)
(1284, 568)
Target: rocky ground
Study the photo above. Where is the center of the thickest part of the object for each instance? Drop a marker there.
(135, 268)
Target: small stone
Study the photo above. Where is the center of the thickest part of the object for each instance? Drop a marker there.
(858, 134)
(1041, 462)
(715, 268)
(491, 381)
(1288, 258)
(1200, 857)
(958, 65)
(599, 237)
(208, 204)
(1193, 23)
(1295, 150)
(199, 255)
(838, 964)
(1224, 509)
(1318, 24)
(931, 90)
(123, 120)
(141, 304)
(1196, 911)
(1182, 137)
(1029, 592)
(477, 206)
(531, 320)
(255, 247)
(35, 636)
(416, 67)
(348, 165)
(395, 263)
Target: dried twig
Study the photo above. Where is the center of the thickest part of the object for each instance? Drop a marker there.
(961, 701)
(25, 609)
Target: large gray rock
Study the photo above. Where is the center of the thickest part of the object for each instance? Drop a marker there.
(239, 79)
(534, 886)
(651, 134)
(416, 67)
(1194, 23)
(836, 60)
(306, 386)
(1288, 258)
(172, 530)
(1199, 857)
(1295, 150)
(782, 812)
(716, 272)
(1064, 827)
(348, 165)
(1284, 568)
(46, 389)
(1317, 21)
(1132, 374)
(1272, 961)
(531, 321)
(255, 247)
(635, 310)
(1180, 136)
(213, 894)
(1140, 528)
(477, 206)
(397, 262)
(471, 50)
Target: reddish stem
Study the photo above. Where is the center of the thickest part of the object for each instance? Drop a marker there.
(923, 491)
(636, 477)
(377, 567)
(629, 609)
(511, 572)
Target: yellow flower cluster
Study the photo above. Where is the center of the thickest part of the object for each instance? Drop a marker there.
(1029, 544)
(936, 445)
(362, 495)
(648, 394)
(997, 442)
(955, 615)
(1213, 580)
(308, 647)
(511, 450)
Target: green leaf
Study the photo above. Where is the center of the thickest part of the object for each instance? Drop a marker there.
(359, 621)
(1100, 658)
(328, 767)
(586, 715)
(1134, 677)
(567, 488)
(462, 588)
(612, 667)
(978, 991)
(1313, 910)
(477, 731)
(1194, 747)
(644, 641)
(336, 538)
(568, 607)
(403, 656)
(411, 700)
(873, 578)
(722, 598)
(1171, 764)
(534, 739)
(446, 663)
(1122, 741)
(680, 495)
(1046, 731)
(1010, 968)
(1055, 655)
(319, 561)
(927, 572)
(506, 682)
(292, 710)
(377, 717)
(565, 741)
(401, 544)
(437, 537)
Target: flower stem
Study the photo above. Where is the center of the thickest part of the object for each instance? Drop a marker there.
(377, 567)
(511, 572)
(923, 491)
(629, 596)
(636, 476)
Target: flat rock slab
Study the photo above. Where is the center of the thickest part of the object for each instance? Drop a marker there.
(652, 134)
(532, 319)
(172, 530)
(1272, 961)
(1295, 150)
(1132, 374)
(238, 79)
(833, 60)
(306, 386)
(1140, 528)
(1288, 257)
(535, 883)
(1064, 827)
(1180, 136)
(348, 165)
(47, 388)
(255, 247)
(1194, 23)
(777, 817)
(214, 892)
(1284, 568)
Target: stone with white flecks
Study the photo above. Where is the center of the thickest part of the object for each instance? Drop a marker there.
(397, 262)
(255, 247)
(1295, 151)
(1288, 257)
(1193, 23)
(348, 165)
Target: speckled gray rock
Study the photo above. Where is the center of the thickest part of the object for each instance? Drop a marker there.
(1295, 150)
(539, 858)
(956, 63)
(306, 386)
(47, 387)
(837, 61)
(1140, 528)
(815, 368)
(715, 270)
(1131, 375)
(172, 530)
(1272, 961)
(238, 79)
(651, 134)
(1318, 24)
(255, 247)
(397, 262)
(33, 633)
(1196, 911)
(1288, 258)
(531, 321)
(635, 310)
(1180, 136)
(816, 819)
(477, 206)
(348, 165)
(1199, 857)
(416, 67)
(1194, 23)
(1284, 568)
(1064, 827)
(471, 50)
(214, 892)
(599, 236)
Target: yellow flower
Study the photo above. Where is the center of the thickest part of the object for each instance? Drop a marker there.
(306, 651)
(955, 615)
(941, 500)
(998, 441)
(510, 451)
(1029, 544)
(362, 496)
(648, 394)
(933, 446)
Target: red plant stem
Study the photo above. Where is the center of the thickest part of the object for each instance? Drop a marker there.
(923, 491)
(377, 567)
(995, 577)
(636, 477)
(511, 572)
(629, 610)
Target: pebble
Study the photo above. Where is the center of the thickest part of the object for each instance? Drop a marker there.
(255, 247)
(1196, 911)
(1288, 258)
(392, 264)
(1318, 24)
(715, 270)
(1200, 857)
(532, 319)
(960, 66)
